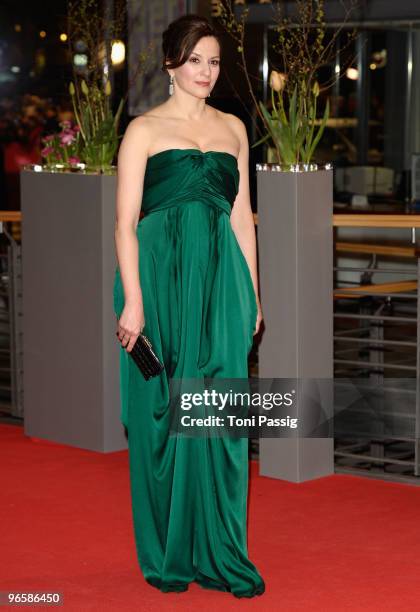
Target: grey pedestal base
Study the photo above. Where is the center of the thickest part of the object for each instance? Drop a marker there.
(295, 241)
(70, 350)
(296, 460)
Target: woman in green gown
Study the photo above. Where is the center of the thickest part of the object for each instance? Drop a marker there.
(186, 277)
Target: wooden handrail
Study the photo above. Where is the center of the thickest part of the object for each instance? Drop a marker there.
(393, 287)
(370, 220)
(11, 215)
(373, 220)
(377, 249)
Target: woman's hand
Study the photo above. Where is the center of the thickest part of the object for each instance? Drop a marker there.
(130, 324)
(260, 317)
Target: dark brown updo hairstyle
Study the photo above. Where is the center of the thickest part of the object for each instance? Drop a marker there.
(181, 36)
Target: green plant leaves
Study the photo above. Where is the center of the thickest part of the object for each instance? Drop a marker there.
(293, 131)
(98, 125)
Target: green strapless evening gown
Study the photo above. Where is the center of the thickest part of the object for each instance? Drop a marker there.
(189, 495)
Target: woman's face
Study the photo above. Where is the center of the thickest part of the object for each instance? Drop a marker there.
(198, 75)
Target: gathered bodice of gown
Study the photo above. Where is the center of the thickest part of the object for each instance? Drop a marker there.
(180, 176)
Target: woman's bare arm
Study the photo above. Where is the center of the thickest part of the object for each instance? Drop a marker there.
(241, 218)
(132, 160)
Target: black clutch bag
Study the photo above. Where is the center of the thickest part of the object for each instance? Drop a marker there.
(145, 357)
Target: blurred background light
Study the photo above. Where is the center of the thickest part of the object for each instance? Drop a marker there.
(80, 59)
(117, 52)
(352, 74)
(379, 58)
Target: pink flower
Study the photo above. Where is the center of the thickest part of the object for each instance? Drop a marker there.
(47, 151)
(67, 137)
(65, 124)
(73, 159)
(76, 128)
(49, 138)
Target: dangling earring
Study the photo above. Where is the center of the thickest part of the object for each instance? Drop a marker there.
(208, 95)
(171, 85)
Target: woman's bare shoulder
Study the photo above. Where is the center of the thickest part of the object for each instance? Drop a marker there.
(235, 125)
(137, 130)
(140, 133)
(140, 124)
(144, 126)
(232, 121)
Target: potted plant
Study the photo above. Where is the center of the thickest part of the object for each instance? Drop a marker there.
(295, 238)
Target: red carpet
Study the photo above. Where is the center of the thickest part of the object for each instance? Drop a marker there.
(333, 544)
